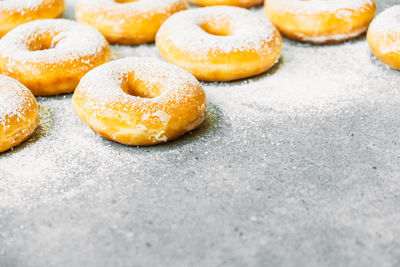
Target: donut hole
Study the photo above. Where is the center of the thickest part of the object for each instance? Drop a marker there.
(39, 46)
(135, 86)
(42, 42)
(216, 27)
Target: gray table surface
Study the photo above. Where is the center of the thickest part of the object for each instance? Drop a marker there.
(296, 167)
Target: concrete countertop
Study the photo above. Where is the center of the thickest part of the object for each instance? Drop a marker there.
(296, 167)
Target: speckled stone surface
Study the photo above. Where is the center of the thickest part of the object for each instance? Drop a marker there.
(296, 167)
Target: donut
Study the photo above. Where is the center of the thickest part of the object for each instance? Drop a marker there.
(18, 113)
(125, 21)
(50, 56)
(321, 21)
(14, 13)
(238, 3)
(219, 43)
(140, 101)
(384, 37)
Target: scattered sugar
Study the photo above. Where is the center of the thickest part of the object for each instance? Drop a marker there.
(73, 162)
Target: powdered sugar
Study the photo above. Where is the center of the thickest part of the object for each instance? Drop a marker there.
(13, 99)
(70, 41)
(153, 73)
(246, 31)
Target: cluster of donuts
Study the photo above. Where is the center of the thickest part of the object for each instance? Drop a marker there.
(142, 101)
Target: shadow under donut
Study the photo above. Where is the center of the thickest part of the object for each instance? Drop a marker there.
(210, 128)
(291, 42)
(382, 66)
(46, 123)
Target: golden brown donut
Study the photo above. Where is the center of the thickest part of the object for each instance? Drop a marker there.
(14, 13)
(128, 21)
(384, 37)
(219, 43)
(238, 3)
(321, 21)
(140, 101)
(18, 113)
(50, 56)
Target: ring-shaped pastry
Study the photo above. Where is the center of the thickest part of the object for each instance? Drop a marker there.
(219, 43)
(321, 21)
(140, 101)
(127, 21)
(51, 56)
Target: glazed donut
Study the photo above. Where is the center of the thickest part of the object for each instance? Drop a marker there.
(50, 56)
(321, 21)
(219, 43)
(127, 21)
(238, 3)
(384, 37)
(140, 101)
(18, 113)
(14, 13)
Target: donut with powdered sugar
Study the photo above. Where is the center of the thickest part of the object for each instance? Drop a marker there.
(219, 43)
(50, 56)
(129, 22)
(321, 21)
(140, 101)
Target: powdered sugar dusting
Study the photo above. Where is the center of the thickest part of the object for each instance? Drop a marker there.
(70, 41)
(246, 30)
(13, 100)
(153, 73)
